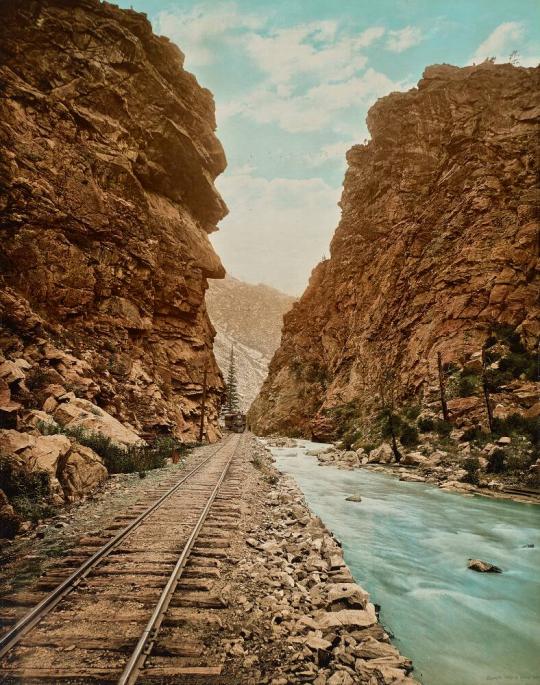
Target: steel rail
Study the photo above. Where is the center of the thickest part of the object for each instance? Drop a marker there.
(29, 620)
(144, 645)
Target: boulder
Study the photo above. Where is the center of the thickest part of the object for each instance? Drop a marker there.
(348, 618)
(80, 413)
(504, 440)
(8, 408)
(381, 455)
(483, 566)
(10, 522)
(413, 459)
(11, 372)
(353, 498)
(81, 473)
(347, 596)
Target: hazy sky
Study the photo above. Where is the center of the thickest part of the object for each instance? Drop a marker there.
(293, 80)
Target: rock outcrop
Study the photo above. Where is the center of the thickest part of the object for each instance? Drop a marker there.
(250, 318)
(106, 202)
(434, 252)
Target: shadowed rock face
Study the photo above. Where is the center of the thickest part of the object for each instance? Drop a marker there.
(107, 199)
(435, 246)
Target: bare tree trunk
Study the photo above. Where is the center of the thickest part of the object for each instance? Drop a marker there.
(486, 392)
(203, 405)
(442, 386)
(395, 450)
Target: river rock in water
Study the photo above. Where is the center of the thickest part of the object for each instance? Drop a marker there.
(483, 566)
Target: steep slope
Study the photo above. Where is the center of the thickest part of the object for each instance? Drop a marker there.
(107, 197)
(250, 317)
(433, 253)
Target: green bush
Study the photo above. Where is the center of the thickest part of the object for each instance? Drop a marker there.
(475, 434)
(517, 364)
(518, 425)
(497, 461)
(119, 459)
(426, 424)
(412, 412)
(350, 437)
(443, 428)
(28, 491)
(409, 435)
(496, 379)
(471, 465)
(467, 385)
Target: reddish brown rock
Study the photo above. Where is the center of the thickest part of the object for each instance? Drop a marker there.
(106, 202)
(434, 248)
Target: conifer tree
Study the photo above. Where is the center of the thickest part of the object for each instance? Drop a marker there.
(232, 388)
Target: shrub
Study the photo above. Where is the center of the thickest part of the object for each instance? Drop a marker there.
(119, 459)
(496, 461)
(350, 437)
(426, 424)
(412, 412)
(409, 435)
(443, 428)
(496, 379)
(467, 385)
(517, 364)
(475, 434)
(519, 425)
(27, 490)
(471, 465)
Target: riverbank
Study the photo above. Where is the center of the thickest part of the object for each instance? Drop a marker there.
(290, 609)
(409, 544)
(431, 465)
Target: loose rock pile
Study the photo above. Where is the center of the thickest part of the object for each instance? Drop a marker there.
(318, 623)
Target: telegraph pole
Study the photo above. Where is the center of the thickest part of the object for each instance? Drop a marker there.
(203, 403)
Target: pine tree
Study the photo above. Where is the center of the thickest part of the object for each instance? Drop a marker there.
(232, 388)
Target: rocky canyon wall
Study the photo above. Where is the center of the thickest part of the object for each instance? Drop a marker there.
(107, 198)
(435, 252)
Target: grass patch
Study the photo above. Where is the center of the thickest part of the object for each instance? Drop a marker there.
(121, 459)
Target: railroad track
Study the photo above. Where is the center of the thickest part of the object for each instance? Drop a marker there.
(142, 607)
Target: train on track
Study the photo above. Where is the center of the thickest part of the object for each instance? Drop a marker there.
(235, 422)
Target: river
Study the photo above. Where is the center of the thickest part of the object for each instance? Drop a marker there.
(408, 545)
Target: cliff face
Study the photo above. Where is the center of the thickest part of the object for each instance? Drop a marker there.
(250, 317)
(434, 251)
(107, 198)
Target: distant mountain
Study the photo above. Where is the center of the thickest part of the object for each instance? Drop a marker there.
(250, 317)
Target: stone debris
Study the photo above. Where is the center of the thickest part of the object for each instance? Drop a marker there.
(483, 566)
(304, 600)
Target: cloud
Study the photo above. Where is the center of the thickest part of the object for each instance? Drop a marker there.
(277, 229)
(500, 43)
(312, 110)
(197, 30)
(309, 49)
(399, 41)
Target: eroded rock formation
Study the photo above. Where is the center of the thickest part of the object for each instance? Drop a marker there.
(435, 250)
(107, 198)
(250, 318)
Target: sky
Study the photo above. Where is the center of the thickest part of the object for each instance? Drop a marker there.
(293, 81)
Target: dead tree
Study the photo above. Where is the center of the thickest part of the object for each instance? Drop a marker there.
(442, 386)
(203, 403)
(387, 394)
(486, 392)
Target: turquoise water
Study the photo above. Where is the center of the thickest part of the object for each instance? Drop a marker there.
(408, 545)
